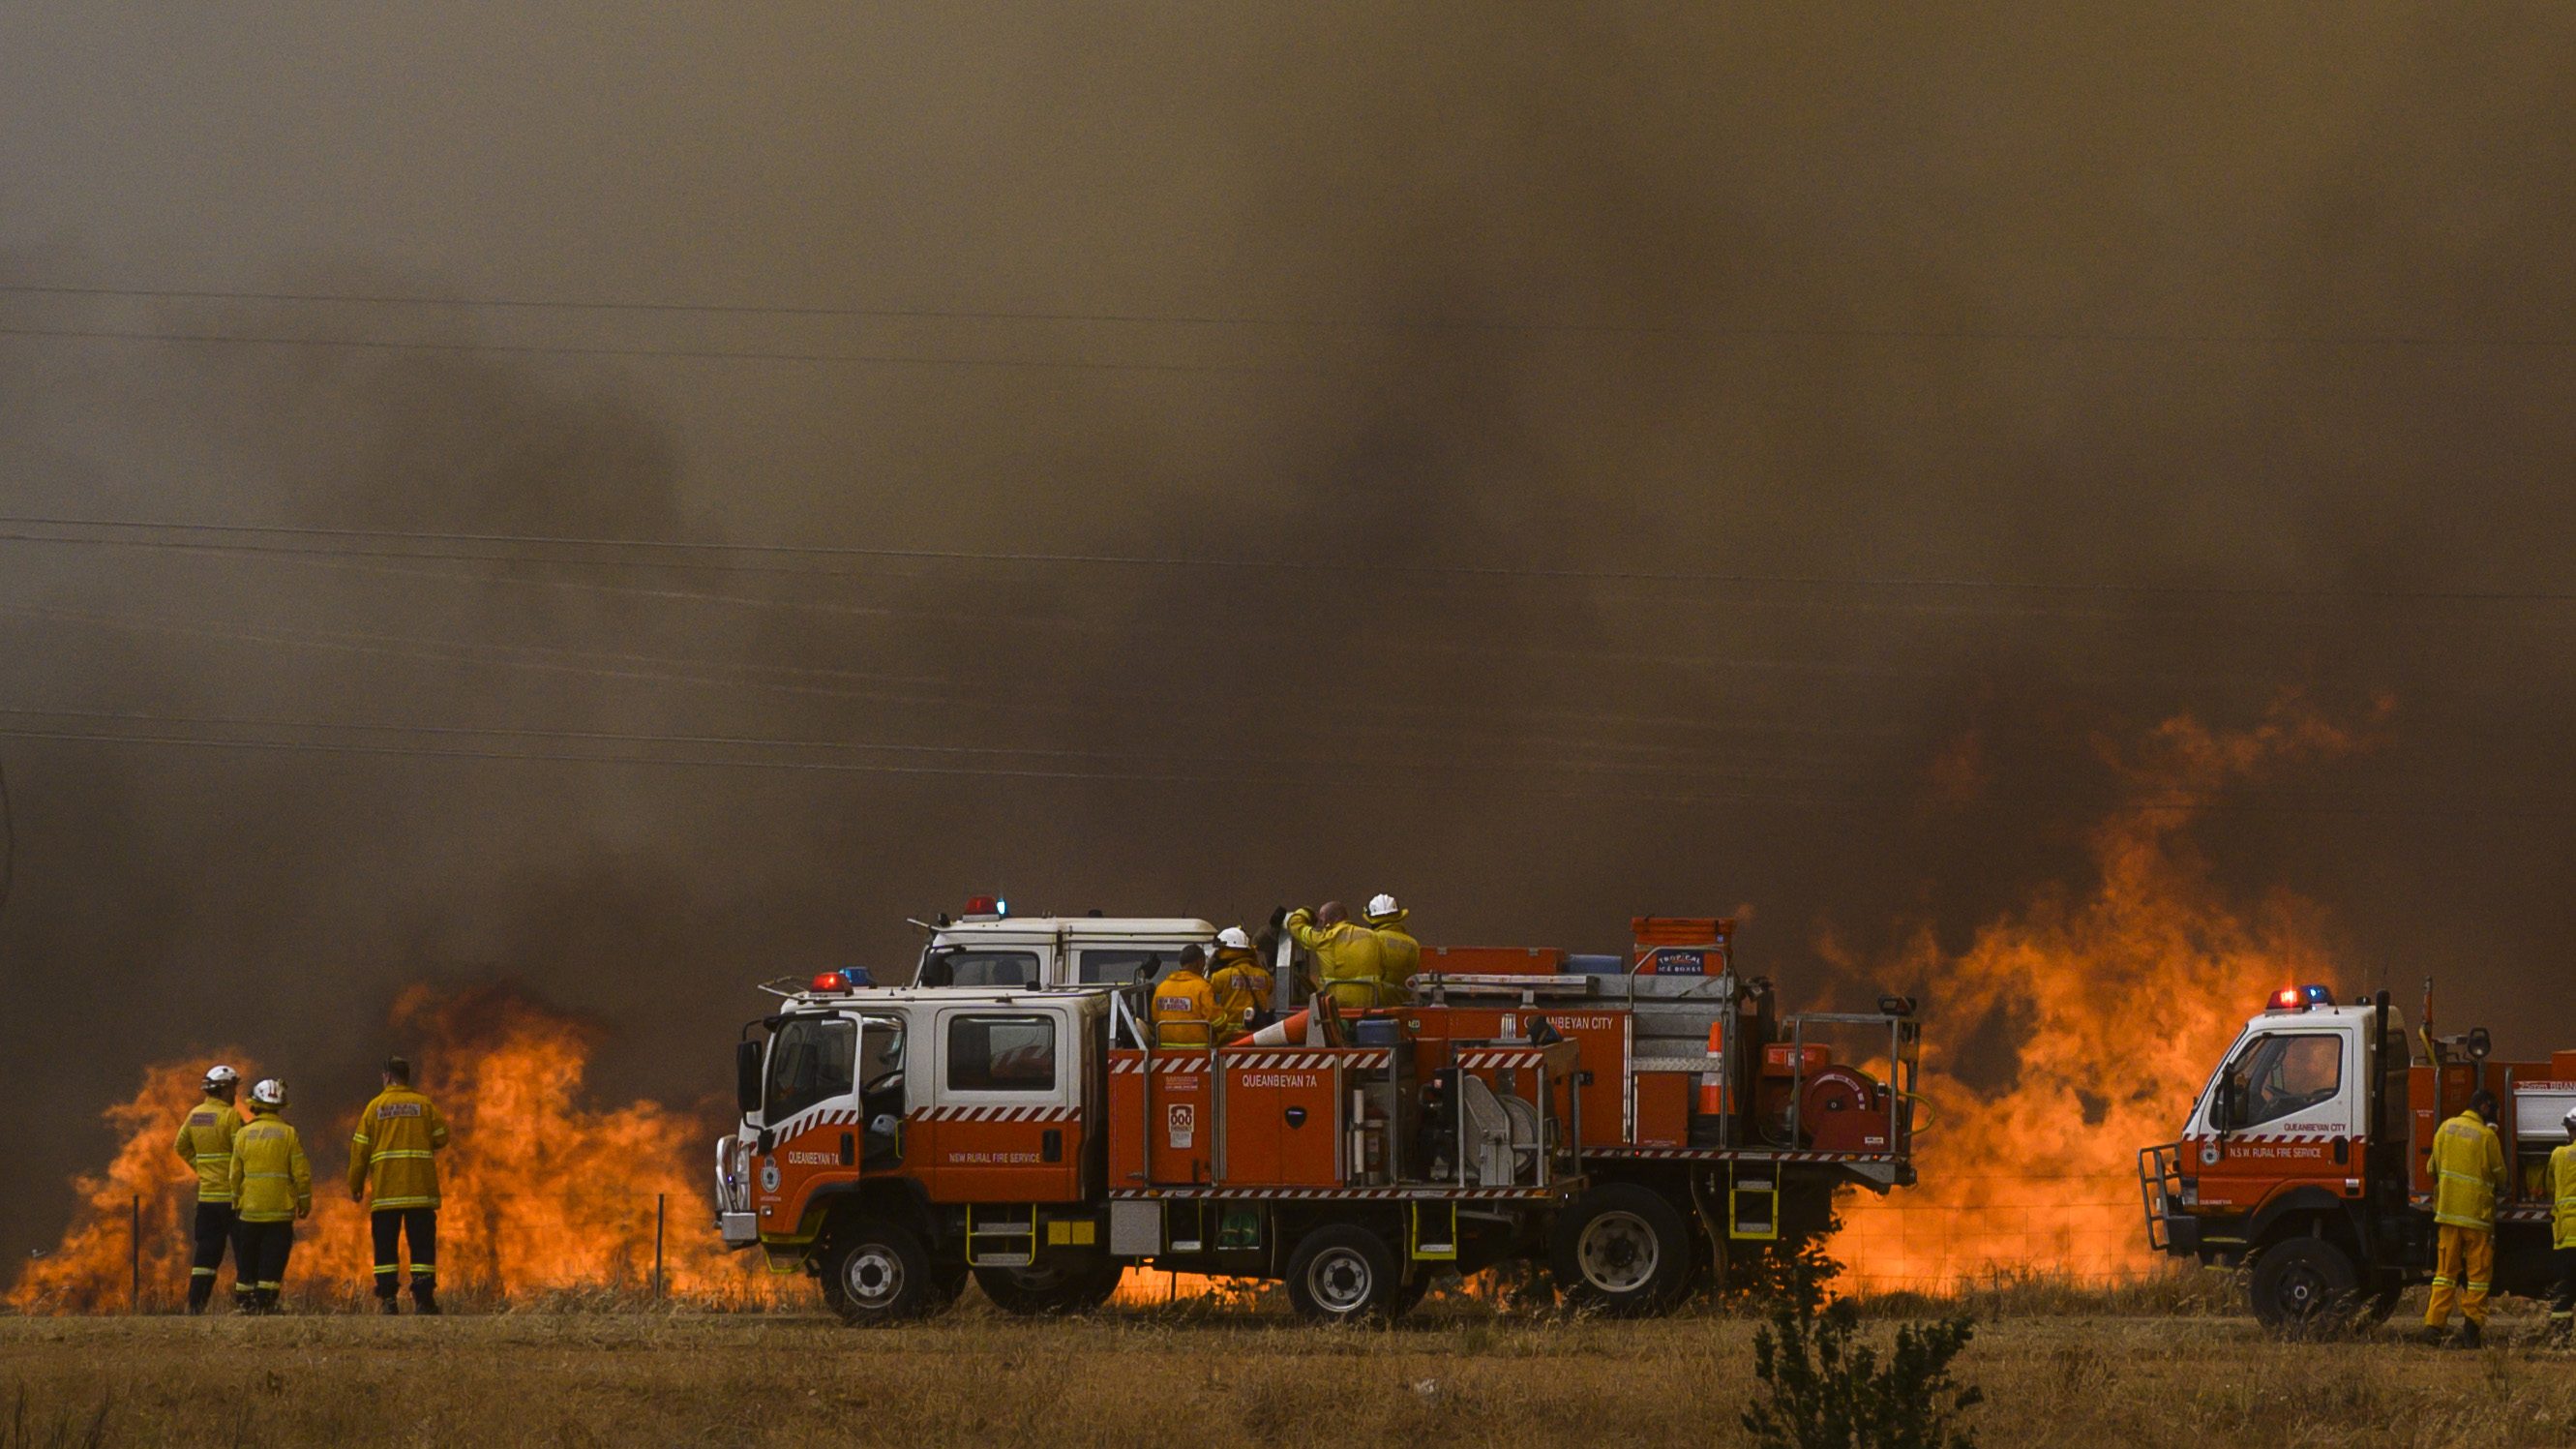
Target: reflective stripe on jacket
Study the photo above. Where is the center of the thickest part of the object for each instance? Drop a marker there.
(206, 1144)
(2562, 1197)
(1347, 957)
(1183, 1008)
(1399, 955)
(2468, 1171)
(272, 1182)
(391, 1155)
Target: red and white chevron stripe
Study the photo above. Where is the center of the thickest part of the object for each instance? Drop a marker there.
(1292, 1061)
(1500, 1060)
(2271, 1139)
(1130, 1066)
(814, 1117)
(996, 1114)
(1734, 1154)
(1311, 1194)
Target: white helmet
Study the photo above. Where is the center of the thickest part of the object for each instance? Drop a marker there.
(1233, 939)
(1383, 904)
(220, 1075)
(269, 1093)
(2569, 1121)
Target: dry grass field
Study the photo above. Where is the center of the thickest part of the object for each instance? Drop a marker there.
(2058, 1368)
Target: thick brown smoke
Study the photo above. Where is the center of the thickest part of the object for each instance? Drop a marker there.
(1564, 464)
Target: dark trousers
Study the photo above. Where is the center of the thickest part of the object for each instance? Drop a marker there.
(419, 1224)
(2562, 1299)
(212, 1231)
(259, 1254)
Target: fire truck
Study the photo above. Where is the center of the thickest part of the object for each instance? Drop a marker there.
(1628, 1122)
(2308, 1157)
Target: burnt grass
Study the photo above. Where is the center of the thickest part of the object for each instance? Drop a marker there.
(2168, 1362)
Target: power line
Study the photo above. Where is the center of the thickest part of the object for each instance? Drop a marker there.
(686, 354)
(1749, 331)
(1330, 567)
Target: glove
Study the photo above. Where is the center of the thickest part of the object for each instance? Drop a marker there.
(1279, 918)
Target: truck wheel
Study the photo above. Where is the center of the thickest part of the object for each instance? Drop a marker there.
(1077, 1287)
(1343, 1274)
(2301, 1285)
(1623, 1251)
(876, 1273)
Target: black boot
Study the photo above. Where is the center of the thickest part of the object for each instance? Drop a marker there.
(424, 1299)
(200, 1292)
(2471, 1336)
(264, 1301)
(2429, 1335)
(388, 1307)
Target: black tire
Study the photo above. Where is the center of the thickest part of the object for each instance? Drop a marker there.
(1343, 1273)
(2303, 1286)
(1623, 1251)
(1072, 1286)
(876, 1273)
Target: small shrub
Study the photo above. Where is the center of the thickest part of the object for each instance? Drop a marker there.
(1821, 1390)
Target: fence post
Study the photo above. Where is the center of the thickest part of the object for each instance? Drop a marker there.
(134, 1253)
(661, 1202)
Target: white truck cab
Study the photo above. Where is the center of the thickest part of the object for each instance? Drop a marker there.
(991, 948)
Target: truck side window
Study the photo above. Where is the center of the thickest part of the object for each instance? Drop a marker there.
(1125, 966)
(980, 968)
(1001, 1054)
(811, 1058)
(2282, 1073)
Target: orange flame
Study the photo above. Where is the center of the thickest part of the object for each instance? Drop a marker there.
(2125, 995)
(541, 1192)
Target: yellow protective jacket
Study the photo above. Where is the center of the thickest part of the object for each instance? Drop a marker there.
(2562, 1196)
(1184, 1008)
(391, 1153)
(2468, 1172)
(206, 1144)
(272, 1183)
(1242, 987)
(1347, 957)
(1399, 955)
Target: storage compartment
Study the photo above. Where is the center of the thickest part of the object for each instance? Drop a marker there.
(1494, 960)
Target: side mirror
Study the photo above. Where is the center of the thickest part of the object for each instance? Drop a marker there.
(746, 1076)
(2480, 1044)
(2222, 1105)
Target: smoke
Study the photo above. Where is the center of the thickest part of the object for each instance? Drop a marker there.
(2254, 312)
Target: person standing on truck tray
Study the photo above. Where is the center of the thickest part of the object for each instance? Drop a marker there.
(206, 1144)
(272, 1187)
(2468, 1173)
(1346, 954)
(394, 1153)
(1399, 955)
(1184, 1013)
(1241, 983)
(2562, 1235)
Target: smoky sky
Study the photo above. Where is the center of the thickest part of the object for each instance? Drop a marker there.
(1551, 466)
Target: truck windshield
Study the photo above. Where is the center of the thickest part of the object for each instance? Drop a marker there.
(811, 1058)
(954, 967)
(2280, 1073)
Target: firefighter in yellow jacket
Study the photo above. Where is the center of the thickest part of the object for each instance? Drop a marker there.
(206, 1145)
(1399, 955)
(2468, 1173)
(1240, 981)
(1347, 955)
(2562, 1235)
(393, 1154)
(1184, 1007)
(272, 1187)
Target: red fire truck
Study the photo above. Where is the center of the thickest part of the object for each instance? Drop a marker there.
(2308, 1157)
(1628, 1124)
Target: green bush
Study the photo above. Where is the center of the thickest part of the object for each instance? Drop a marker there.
(1821, 1390)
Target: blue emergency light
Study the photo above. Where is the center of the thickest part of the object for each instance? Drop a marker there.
(2299, 998)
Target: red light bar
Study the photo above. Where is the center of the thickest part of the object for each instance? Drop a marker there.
(2287, 998)
(979, 906)
(831, 981)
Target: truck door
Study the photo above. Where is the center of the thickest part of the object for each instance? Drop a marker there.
(2285, 1111)
(817, 1116)
(1004, 1116)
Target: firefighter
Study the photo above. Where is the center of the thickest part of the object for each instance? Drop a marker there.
(206, 1144)
(1399, 955)
(1184, 1011)
(272, 1187)
(1241, 983)
(393, 1152)
(2562, 1235)
(1346, 952)
(2468, 1173)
